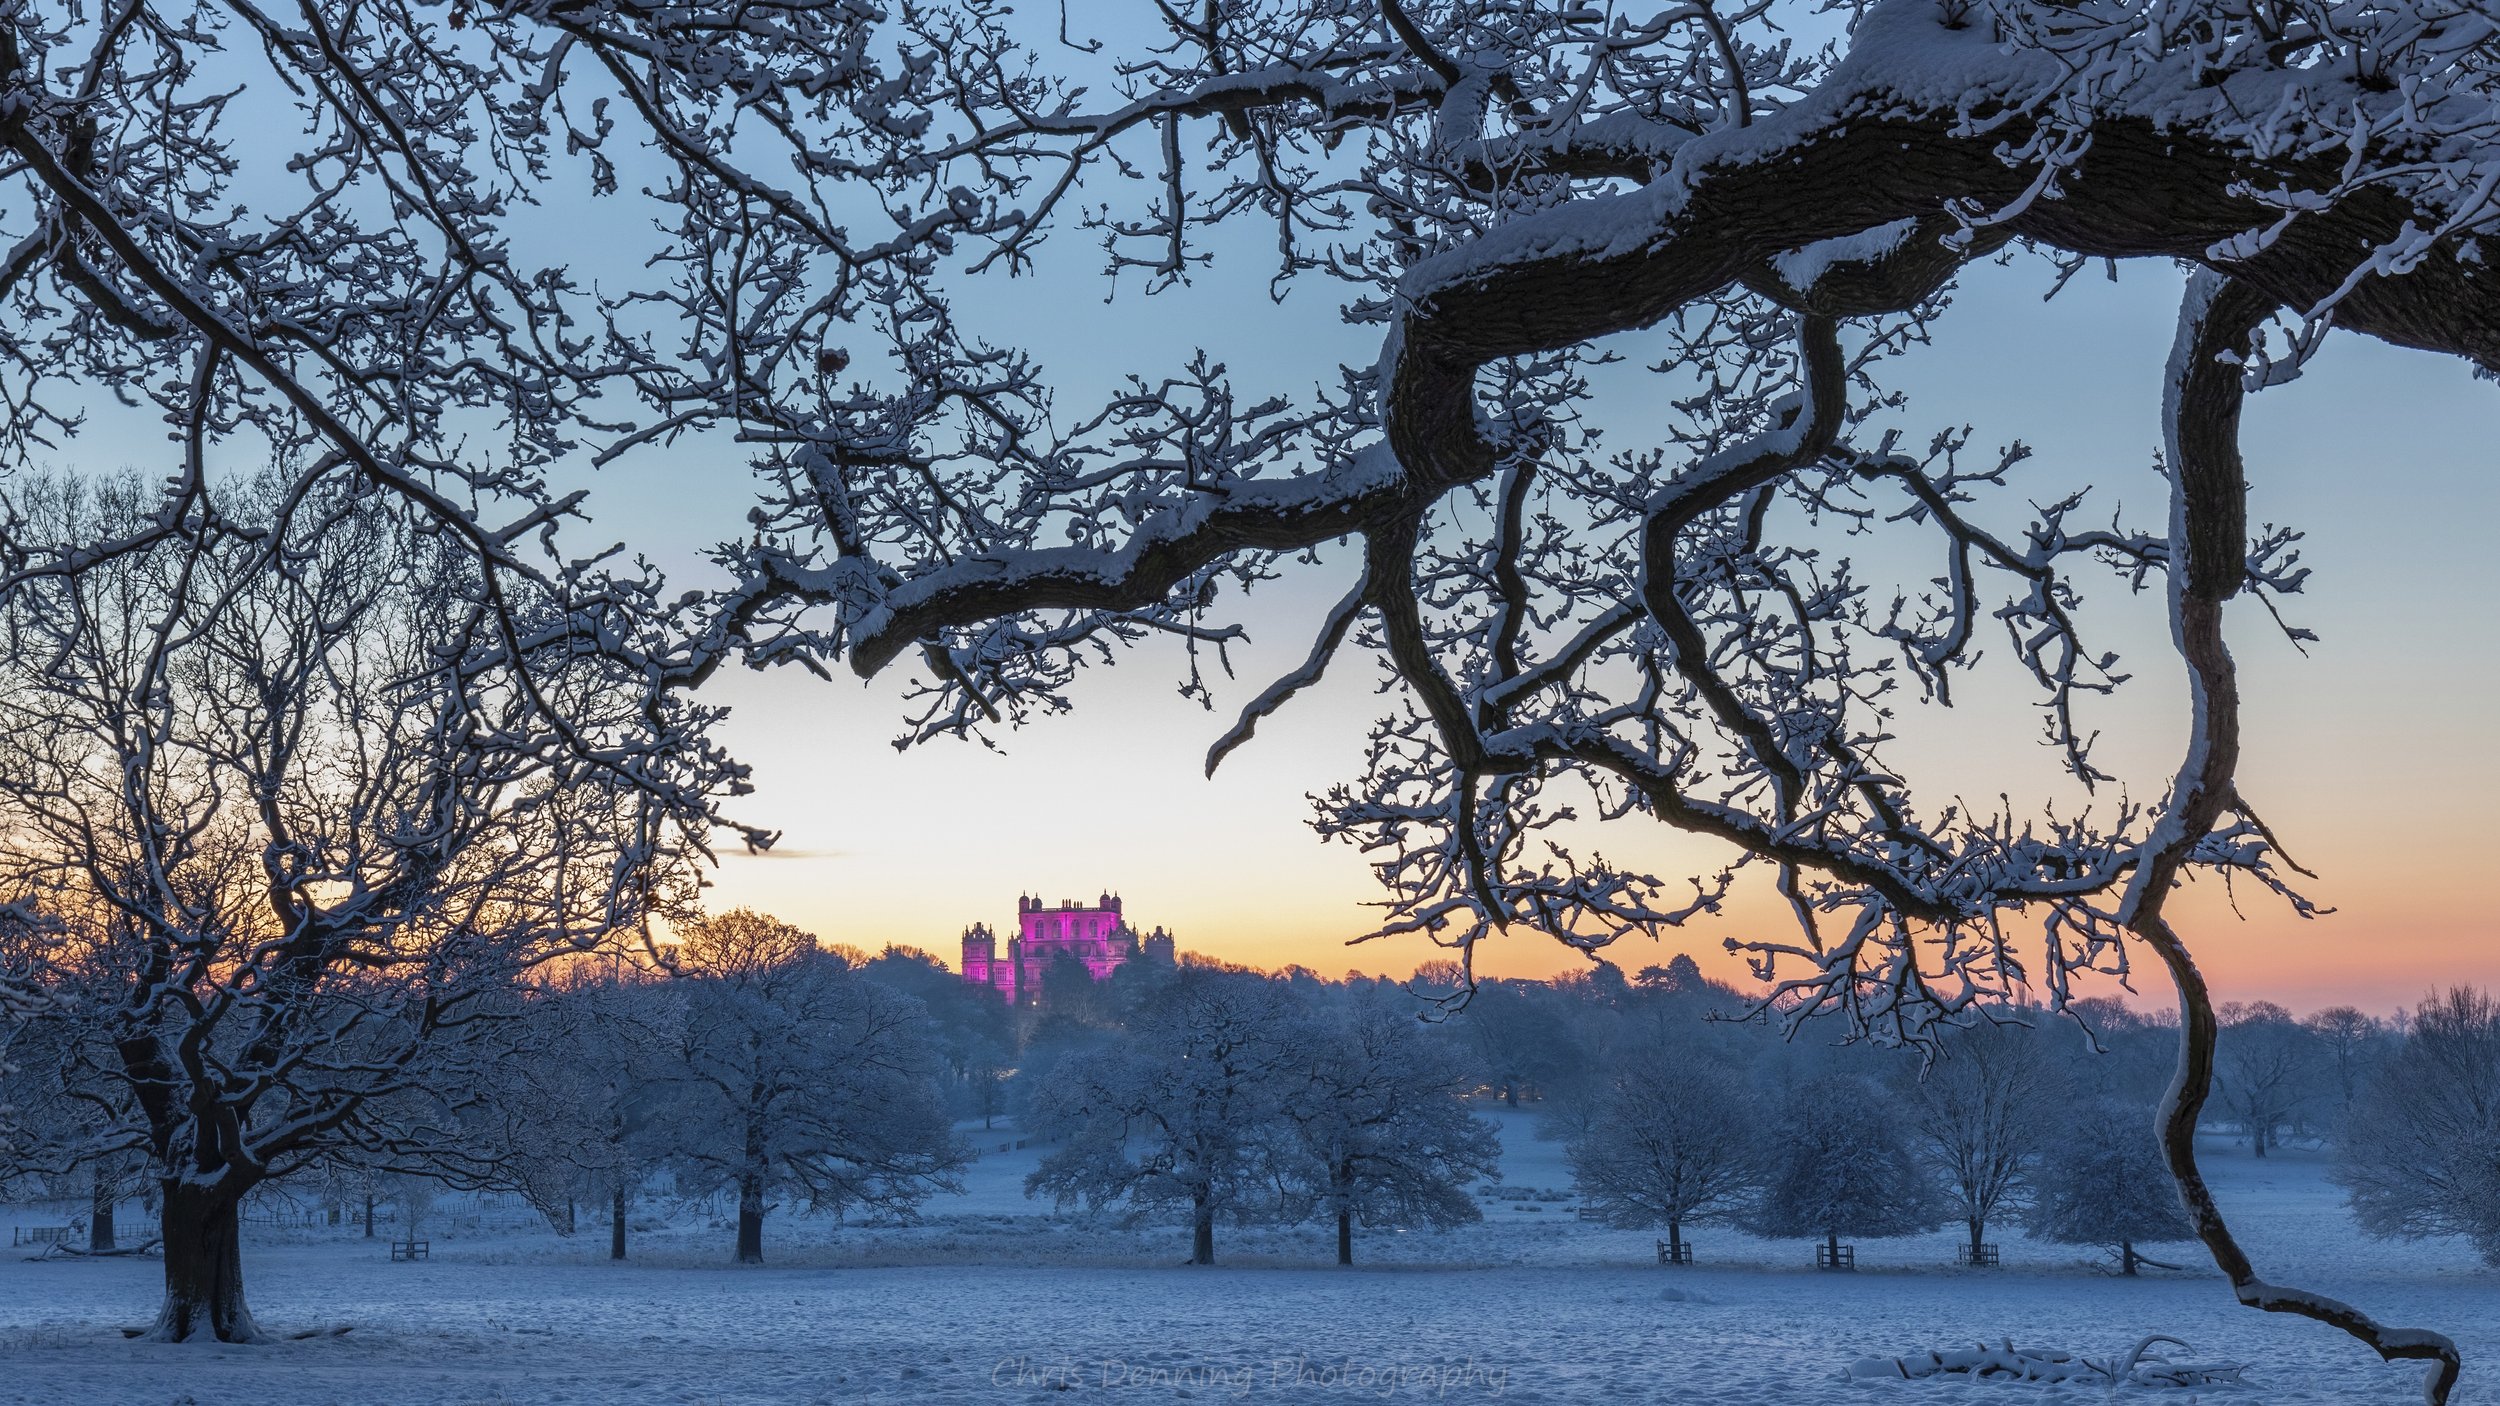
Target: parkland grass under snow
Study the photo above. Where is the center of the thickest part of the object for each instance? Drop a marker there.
(993, 1298)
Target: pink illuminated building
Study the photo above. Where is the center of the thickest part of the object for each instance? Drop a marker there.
(1097, 936)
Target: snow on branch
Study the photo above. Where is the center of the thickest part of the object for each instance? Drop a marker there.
(1770, 200)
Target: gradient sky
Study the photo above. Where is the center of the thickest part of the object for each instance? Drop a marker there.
(2372, 757)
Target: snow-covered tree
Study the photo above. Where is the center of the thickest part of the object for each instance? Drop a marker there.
(1983, 1110)
(1774, 199)
(1660, 630)
(2099, 1182)
(1840, 1163)
(795, 1075)
(1379, 1132)
(1180, 1111)
(1673, 1140)
(2420, 1152)
(580, 1080)
(25, 951)
(70, 1115)
(310, 795)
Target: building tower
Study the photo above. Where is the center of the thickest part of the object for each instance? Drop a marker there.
(980, 954)
(1096, 935)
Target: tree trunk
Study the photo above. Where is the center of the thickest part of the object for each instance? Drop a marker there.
(1342, 1179)
(203, 1269)
(1510, 1094)
(368, 1215)
(571, 1222)
(1831, 1242)
(1675, 1240)
(751, 1181)
(1202, 1233)
(100, 1210)
(616, 1223)
(750, 1219)
(2126, 1257)
(1978, 1237)
(2262, 1130)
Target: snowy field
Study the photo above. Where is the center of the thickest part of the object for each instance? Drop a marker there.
(993, 1299)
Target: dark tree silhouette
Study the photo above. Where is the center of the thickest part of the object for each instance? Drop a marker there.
(1842, 1166)
(1673, 1138)
(1379, 1133)
(2099, 1183)
(1984, 1110)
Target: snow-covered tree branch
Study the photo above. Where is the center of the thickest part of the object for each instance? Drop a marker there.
(1774, 197)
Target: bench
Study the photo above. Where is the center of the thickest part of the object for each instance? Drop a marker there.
(1835, 1257)
(409, 1250)
(1980, 1257)
(46, 1235)
(1674, 1254)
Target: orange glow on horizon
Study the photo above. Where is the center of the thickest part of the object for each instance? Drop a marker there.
(2383, 949)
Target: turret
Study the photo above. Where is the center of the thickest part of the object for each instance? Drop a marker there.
(980, 952)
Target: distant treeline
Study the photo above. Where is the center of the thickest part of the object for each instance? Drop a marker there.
(760, 1066)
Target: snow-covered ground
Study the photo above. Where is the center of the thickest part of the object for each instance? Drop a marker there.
(994, 1299)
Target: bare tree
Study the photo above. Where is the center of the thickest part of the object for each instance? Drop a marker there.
(1380, 1132)
(1673, 1140)
(1984, 1110)
(70, 1114)
(797, 1075)
(308, 817)
(2269, 1069)
(2420, 1154)
(974, 1028)
(2098, 1183)
(1182, 1111)
(569, 1104)
(1653, 633)
(26, 940)
(2132, 1053)
(1841, 1166)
